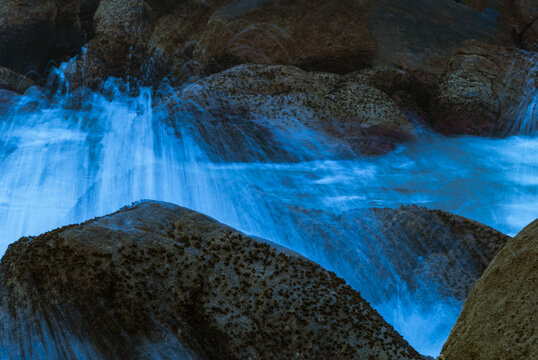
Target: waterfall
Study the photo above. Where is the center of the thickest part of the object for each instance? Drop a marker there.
(70, 156)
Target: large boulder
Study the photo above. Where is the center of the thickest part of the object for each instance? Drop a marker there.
(155, 280)
(499, 318)
(10, 80)
(429, 253)
(276, 98)
(33, 32)
(486, 90)
(526, 13)
(423, 34)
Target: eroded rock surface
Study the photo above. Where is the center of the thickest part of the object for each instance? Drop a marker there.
(155, 280)
(500, 318)
(484, 89)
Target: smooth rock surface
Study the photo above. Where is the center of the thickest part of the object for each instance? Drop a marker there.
(159, 281)
(500, 317)
(428, 249)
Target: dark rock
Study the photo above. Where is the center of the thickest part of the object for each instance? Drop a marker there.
(156, 280)
(422, 35)
(526, 13)
(432, 253)
(349, 110)
(484, 89)
(499, 318)
(34, 32)
(10, 80)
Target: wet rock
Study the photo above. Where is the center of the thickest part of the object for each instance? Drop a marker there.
(433, 254)
(484, 89)
(156, 280)
(499, 318)
(349, 110)
(10, 80)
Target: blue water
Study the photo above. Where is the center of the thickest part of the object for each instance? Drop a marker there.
(69, 157)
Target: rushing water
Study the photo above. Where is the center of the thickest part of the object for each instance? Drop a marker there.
(67, 158)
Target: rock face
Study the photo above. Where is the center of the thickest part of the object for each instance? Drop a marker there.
(33, 32)
(287, 99)
(10, 80)
(526, 13)
(483, 90)
(302, 33)
(192, 38)
(155, 280)
(427, 249)
(499, 319)
(421, 35)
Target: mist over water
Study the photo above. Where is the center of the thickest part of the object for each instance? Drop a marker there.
(70, 157)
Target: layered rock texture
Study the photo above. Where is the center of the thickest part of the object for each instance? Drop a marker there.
(158, 281)
(499, 319)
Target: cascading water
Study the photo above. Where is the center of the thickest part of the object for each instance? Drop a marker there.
(69, 157)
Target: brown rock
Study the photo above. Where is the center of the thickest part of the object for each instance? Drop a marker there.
(526, 13)
(10, 80)
(499, 318)
(483, 90)
(422, 35)
(433, 253)
(302, 33)
(158, 280)
(351, 112)
(33, 32)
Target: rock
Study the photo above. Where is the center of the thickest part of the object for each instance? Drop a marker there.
(482, 89)
(529, 39)
(124, 21)
(499, 318)
(526, 13)
(483, 5)
(401, 34)
(411, 91)
(10, 80)
(33, 32)
(156, 280)
(201, 38)
(288, 99)
(433, 254)
(302, 33)
(422, 35)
